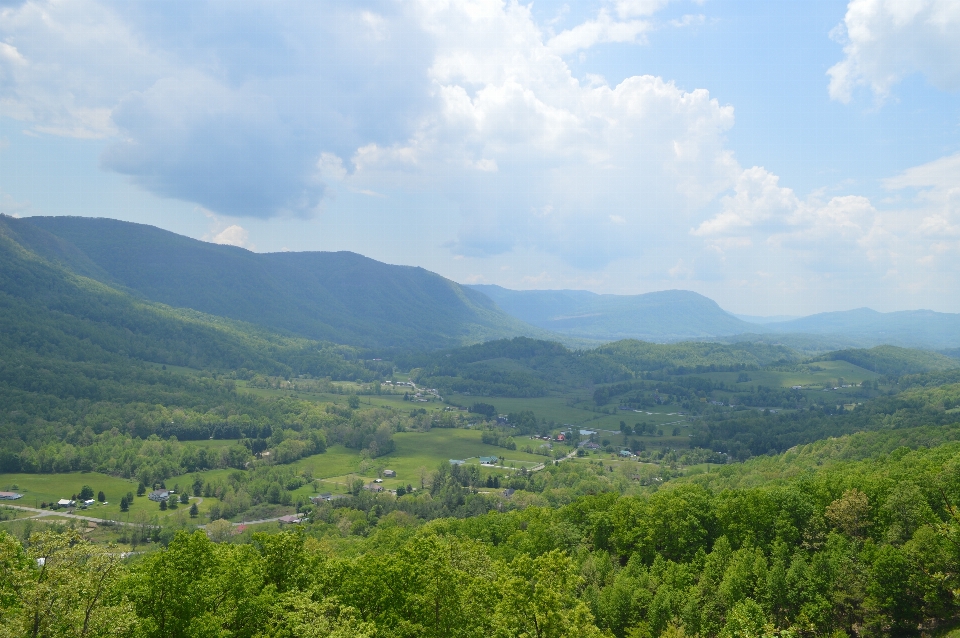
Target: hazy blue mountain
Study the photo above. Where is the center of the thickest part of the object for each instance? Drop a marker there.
(770, 319)
(341, 297)
(912, 328)
(670, 315)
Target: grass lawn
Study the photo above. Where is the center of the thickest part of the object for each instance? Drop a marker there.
(414, 450)
(829, 373)
(37, 488)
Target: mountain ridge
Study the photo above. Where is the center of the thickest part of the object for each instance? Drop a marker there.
(667, 315)
(340, 297)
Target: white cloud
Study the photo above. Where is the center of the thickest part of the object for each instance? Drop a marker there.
(757, 197)
(233, 236)
(569, 154)
(605, 28)
(64, 66)
(886, 40)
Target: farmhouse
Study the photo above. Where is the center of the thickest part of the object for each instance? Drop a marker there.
(66, 502)
(9, 496)
(390, 474)
(159, 495)
(488, 460)
(373, 487)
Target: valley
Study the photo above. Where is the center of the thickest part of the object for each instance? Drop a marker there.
(639, 471)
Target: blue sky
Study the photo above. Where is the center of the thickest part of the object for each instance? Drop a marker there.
(783, 157)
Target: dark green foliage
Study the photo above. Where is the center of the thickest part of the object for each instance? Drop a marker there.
(893, 361)
(484, 409)
(524, 367)
(340, 297)
(746, 433)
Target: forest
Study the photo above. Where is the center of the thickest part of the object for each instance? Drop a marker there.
(860, 547)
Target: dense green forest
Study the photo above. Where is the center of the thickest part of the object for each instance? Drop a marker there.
(857, 547)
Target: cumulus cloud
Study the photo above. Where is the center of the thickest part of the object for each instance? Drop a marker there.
(573, 159)
(886, 40)
(233, 236)
(604, 28)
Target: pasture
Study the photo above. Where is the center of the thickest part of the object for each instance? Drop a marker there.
(39, 488)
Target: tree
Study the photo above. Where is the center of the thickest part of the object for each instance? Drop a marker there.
(353, 401)
(124, 504)
(141, 489)
(68, 594)
(539, 599)
(101, 496)
(184, 498)
(220, 530)
(86, 493)
(163, 506)
(850, 513)
(194, 511)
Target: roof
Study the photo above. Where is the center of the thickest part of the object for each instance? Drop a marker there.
(10, 496)
(65, 501)
(489, 459)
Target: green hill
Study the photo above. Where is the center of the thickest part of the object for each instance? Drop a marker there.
(669, 315)
(524, 367)
(894, 361)
(51, 312)
(340, 297)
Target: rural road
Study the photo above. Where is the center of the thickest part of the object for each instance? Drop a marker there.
(39, 513)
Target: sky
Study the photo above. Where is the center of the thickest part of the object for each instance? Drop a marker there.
(782, 157)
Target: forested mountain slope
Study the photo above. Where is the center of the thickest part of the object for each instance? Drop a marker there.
(340, 297)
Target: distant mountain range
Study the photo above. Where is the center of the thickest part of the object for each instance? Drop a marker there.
(340, 297)
(670, 315)
(346, 298)
(675, 315)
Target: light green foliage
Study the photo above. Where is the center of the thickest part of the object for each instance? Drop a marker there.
(62, 586)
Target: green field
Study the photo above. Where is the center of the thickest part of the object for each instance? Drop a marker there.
(37, 488)
(806, 375)
(415, 450)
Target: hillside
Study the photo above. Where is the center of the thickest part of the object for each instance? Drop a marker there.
(51, 314)
(340, 297)
(909, 328)
(524, 367)
(894, 361)
(669, 315)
